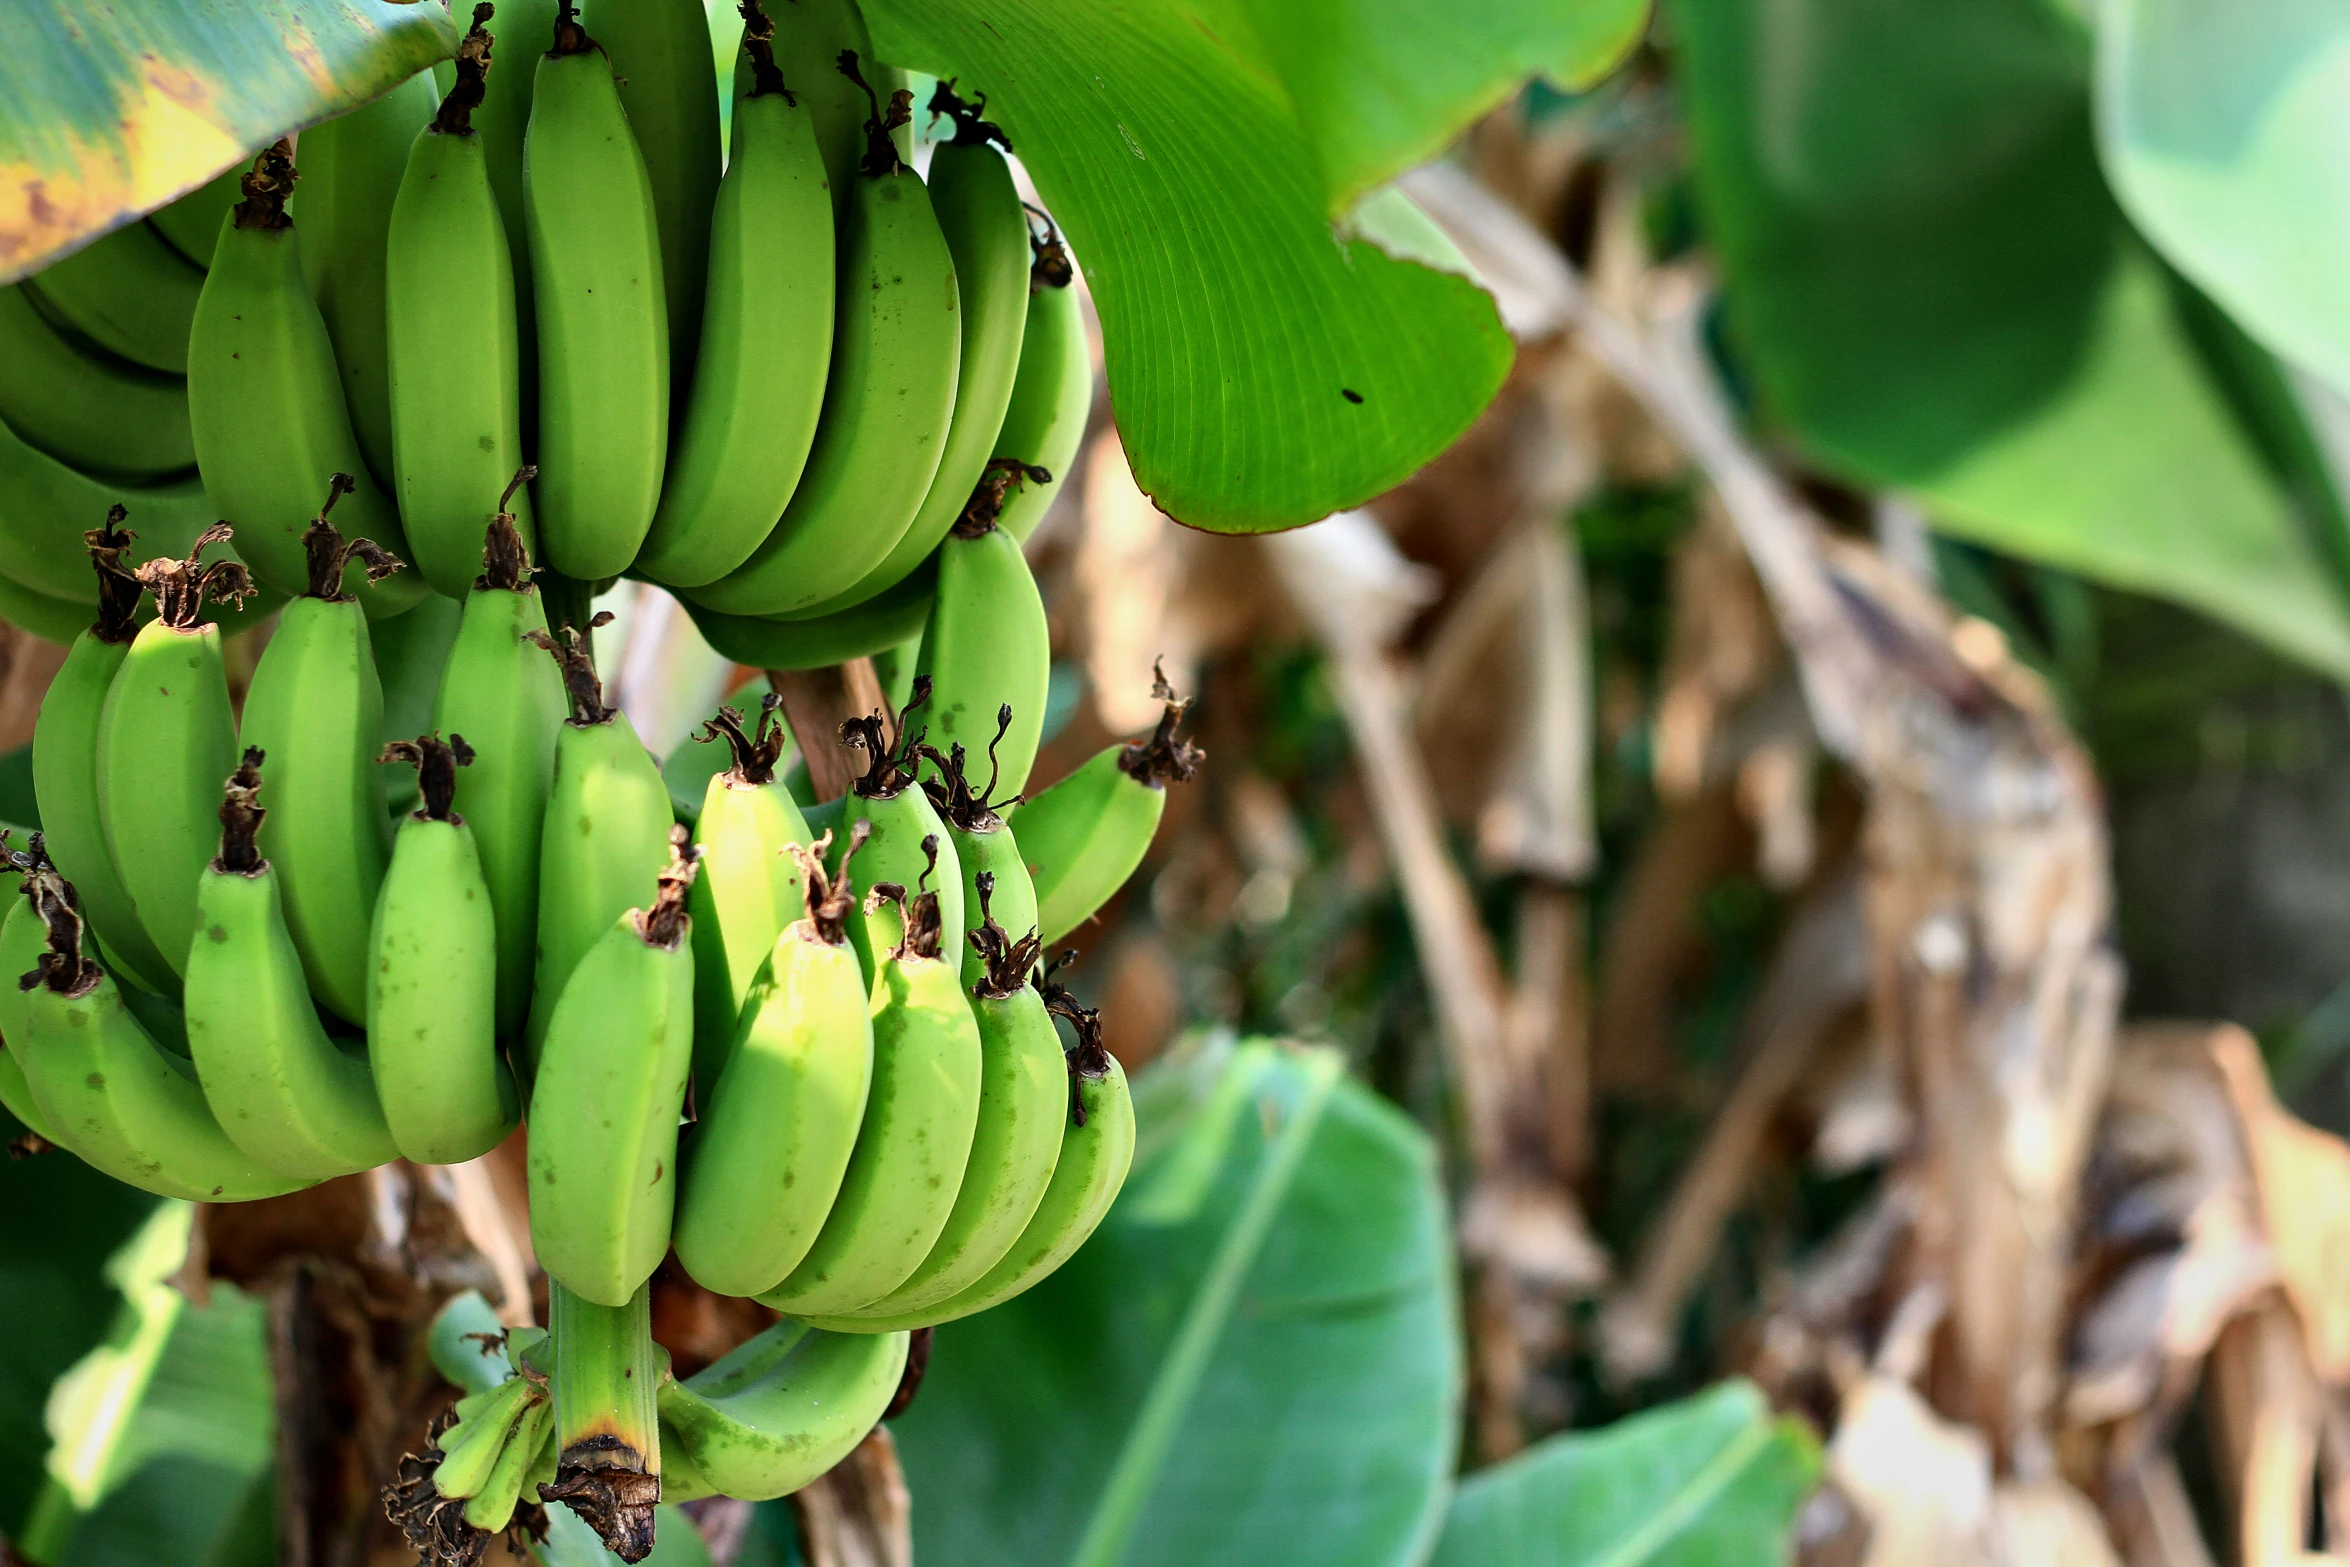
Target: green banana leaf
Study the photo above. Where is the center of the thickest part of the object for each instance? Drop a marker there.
(1937, 294)
(1381, 85)
(1255, 1360)
(110, 108)
(2221, 133)
(1267, 370)
(1712, 1481)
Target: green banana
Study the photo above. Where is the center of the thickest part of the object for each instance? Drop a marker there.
(889, 398)
(1097, 1148)
(987, 649)
(498, 690)
(606, 1379)
(603, 330)
(432, 991)
(352, 167)
(51, 619)
(503, 123)
(65, 762)
(316, 706)
(605, 833)
(492, 1508)
(266, 401)
(191, 225)
(984, 846)
(411, 651)
(472, 1448)
(766, 338)
(908, 840)
(986, 231)
(1051, 400)
(166, 738)
(920, 1115)
(110, 1093)
(777, 1412)
(809, 38)
(893, 666)
(1084, 836)
(1023, 1101)
(45, 504)
(610, 1085)
(288, 1095)
(130, 293)
(456, 360)
(883, 621)
(84, 407)
(750, 887)
(23, 938)
(774, 1141)
(660, 53)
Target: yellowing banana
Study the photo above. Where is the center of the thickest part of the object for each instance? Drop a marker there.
(316, 706)
(603, 326)
(773, 1143)
(919, 1118)
(604, 1108)
(1084, 836)
(888, 401)
(758, 385)
(456, 359)
(432, 993)
(750, 887)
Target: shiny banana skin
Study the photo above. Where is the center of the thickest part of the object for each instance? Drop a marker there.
(603, 325)
(65, 765)
(984, 847)
(353, 168)
(1096, 1153)
(1023, 1105)
(191, 225)
(265, 400)
(610, 1086)
(432, 984)
(777, 1412)
(987, 648)
(166, 739)
(920, 1114)
(289, 1096)
(604, 837)
(455, 403)
(23, 938)
(660, 53)
(883, 621)
(115, 1097)
(504, 695)
(751, 886)
(1084, 836)
(889, 399)
(316, 706)
(130, 293)
(907, 843)
(986, 231)
(775, 1139)
(84, 407)
(45, 505)
(1052, 398)
(758, 385)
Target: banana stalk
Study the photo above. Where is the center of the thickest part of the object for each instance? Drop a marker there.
(606, 1386)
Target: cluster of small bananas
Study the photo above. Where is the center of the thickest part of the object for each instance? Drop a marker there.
(244, 977)
(772, 382)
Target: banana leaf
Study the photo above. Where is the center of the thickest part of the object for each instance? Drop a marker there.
(1937, 294)
(1256, 1359)
(110, 108)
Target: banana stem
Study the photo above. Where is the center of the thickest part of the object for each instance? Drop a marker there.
(568, 600)
(606, 1384)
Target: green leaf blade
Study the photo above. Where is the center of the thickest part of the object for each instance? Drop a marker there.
(1236, 323)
